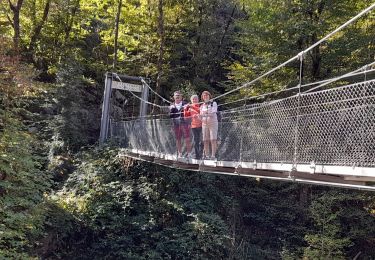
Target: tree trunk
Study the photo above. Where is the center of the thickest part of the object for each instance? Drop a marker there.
(229, 21)
(315, 14)
(316, 59)
(215, 62)
(116, 34)
(38, 28)
(16, 23)
(316, 55)
(70, 20)
(198, 48)
(161, 34)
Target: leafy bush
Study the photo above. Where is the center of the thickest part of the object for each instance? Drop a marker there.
(23, 183)
(132, 212)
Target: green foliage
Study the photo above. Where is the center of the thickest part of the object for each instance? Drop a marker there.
(76, 123)
(132, 213)
(335, 232)
(23, 183)
(104, 206)
(275, 31)
(130, 209)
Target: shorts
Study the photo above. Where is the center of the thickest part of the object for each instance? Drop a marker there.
(181, 130)
(210, 131)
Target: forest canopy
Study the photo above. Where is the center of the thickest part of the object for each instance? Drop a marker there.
(63, 197)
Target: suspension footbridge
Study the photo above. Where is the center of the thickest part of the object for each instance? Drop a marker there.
(318, 133)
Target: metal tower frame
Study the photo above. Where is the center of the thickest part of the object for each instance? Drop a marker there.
(116, 81)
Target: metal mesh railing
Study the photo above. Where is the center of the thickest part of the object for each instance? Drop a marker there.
(331, 127)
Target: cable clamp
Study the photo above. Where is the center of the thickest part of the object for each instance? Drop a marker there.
(238, 167)
(294, 167)
(215, 162)
(291, 175)
(364, 68)
(312, 167)
(301, 55)
(201, 163)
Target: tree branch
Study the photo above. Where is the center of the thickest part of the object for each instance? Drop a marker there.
(225, 31)
(69, 23)
(39, 27)
(12, 7)
(10, 21)
(19, 4)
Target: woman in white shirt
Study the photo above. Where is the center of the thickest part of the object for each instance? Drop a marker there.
(208, 112)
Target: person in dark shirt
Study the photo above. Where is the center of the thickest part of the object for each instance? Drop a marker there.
(181, 125)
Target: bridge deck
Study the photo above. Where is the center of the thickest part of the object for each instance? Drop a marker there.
(355, 178)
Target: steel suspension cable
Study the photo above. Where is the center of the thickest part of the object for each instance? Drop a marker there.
(350, 74)
(147, 102)
(162, 98)
(365, 11)
(362, 69)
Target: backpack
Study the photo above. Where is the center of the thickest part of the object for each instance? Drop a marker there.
(218, 113)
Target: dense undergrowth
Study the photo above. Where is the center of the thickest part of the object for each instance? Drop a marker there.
(61, 197)
(112, 207)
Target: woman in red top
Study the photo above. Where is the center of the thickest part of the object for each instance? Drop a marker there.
(192, 111)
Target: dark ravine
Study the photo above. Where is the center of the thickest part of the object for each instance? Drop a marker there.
(127, 208)
(61, 197)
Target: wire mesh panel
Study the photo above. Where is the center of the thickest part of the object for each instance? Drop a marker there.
(166, 142)
(337, 126)
(270, 133)
(333, 127)
(229, 140)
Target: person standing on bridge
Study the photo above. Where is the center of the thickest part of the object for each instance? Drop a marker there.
(192, 111)
(181, 125)
(208, 112)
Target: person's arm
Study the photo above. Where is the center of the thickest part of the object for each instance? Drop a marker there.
(187, 112)
(203, 111)
(195, 111)
(172, 112)
(214, 108)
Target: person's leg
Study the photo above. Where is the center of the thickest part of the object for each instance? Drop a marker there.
(188, 145)
(179, 146)
(206, 140)
(209, 137)
(186, 132)
(196, 142)
(199, 145)
(214, 147)
(213, 136)
(206, 145)
(178, 134)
